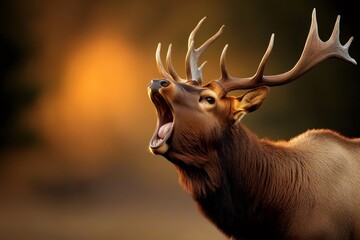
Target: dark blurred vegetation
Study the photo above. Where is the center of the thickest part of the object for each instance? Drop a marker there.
(16, 91)
(75, 119)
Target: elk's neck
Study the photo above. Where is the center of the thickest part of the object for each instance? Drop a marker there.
(263, 172)
(259, 175)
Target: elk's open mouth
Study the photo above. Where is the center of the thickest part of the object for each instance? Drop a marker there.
(165, 124)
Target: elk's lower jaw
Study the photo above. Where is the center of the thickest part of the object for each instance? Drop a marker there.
(165, 124)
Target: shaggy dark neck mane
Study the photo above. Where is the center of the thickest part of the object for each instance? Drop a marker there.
(245, 175)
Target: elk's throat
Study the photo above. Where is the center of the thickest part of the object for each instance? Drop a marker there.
(165, 123)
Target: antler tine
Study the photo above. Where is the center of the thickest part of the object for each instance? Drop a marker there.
(224, 73)
(335, 37)
(315, 51)
(193, 72)
(160, 65)
(260, 71)
(227, 81)
(171, 69)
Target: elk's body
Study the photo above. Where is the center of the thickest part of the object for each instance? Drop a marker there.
(307, 188)
(251, 188)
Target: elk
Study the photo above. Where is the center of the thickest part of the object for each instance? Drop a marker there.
(248, 187)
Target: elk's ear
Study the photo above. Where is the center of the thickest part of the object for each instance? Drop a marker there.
(248, 102)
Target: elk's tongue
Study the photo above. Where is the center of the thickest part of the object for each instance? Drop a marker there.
(164, 129)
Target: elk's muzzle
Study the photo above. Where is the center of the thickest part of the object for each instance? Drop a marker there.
(155, 85)
(165, 121)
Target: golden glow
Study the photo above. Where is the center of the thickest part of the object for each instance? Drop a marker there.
(94, 108)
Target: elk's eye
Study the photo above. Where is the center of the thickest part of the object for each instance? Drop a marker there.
(210, 100)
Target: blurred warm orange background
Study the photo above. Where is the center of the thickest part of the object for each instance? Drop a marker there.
(76, 120)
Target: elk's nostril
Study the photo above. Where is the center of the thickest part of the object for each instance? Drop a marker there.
(164, 83)
(156, 85)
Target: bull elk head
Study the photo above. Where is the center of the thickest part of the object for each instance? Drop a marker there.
(251, 187)
(187, 102)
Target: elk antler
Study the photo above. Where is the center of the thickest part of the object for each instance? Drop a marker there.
(193, 72)
(315, 51)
